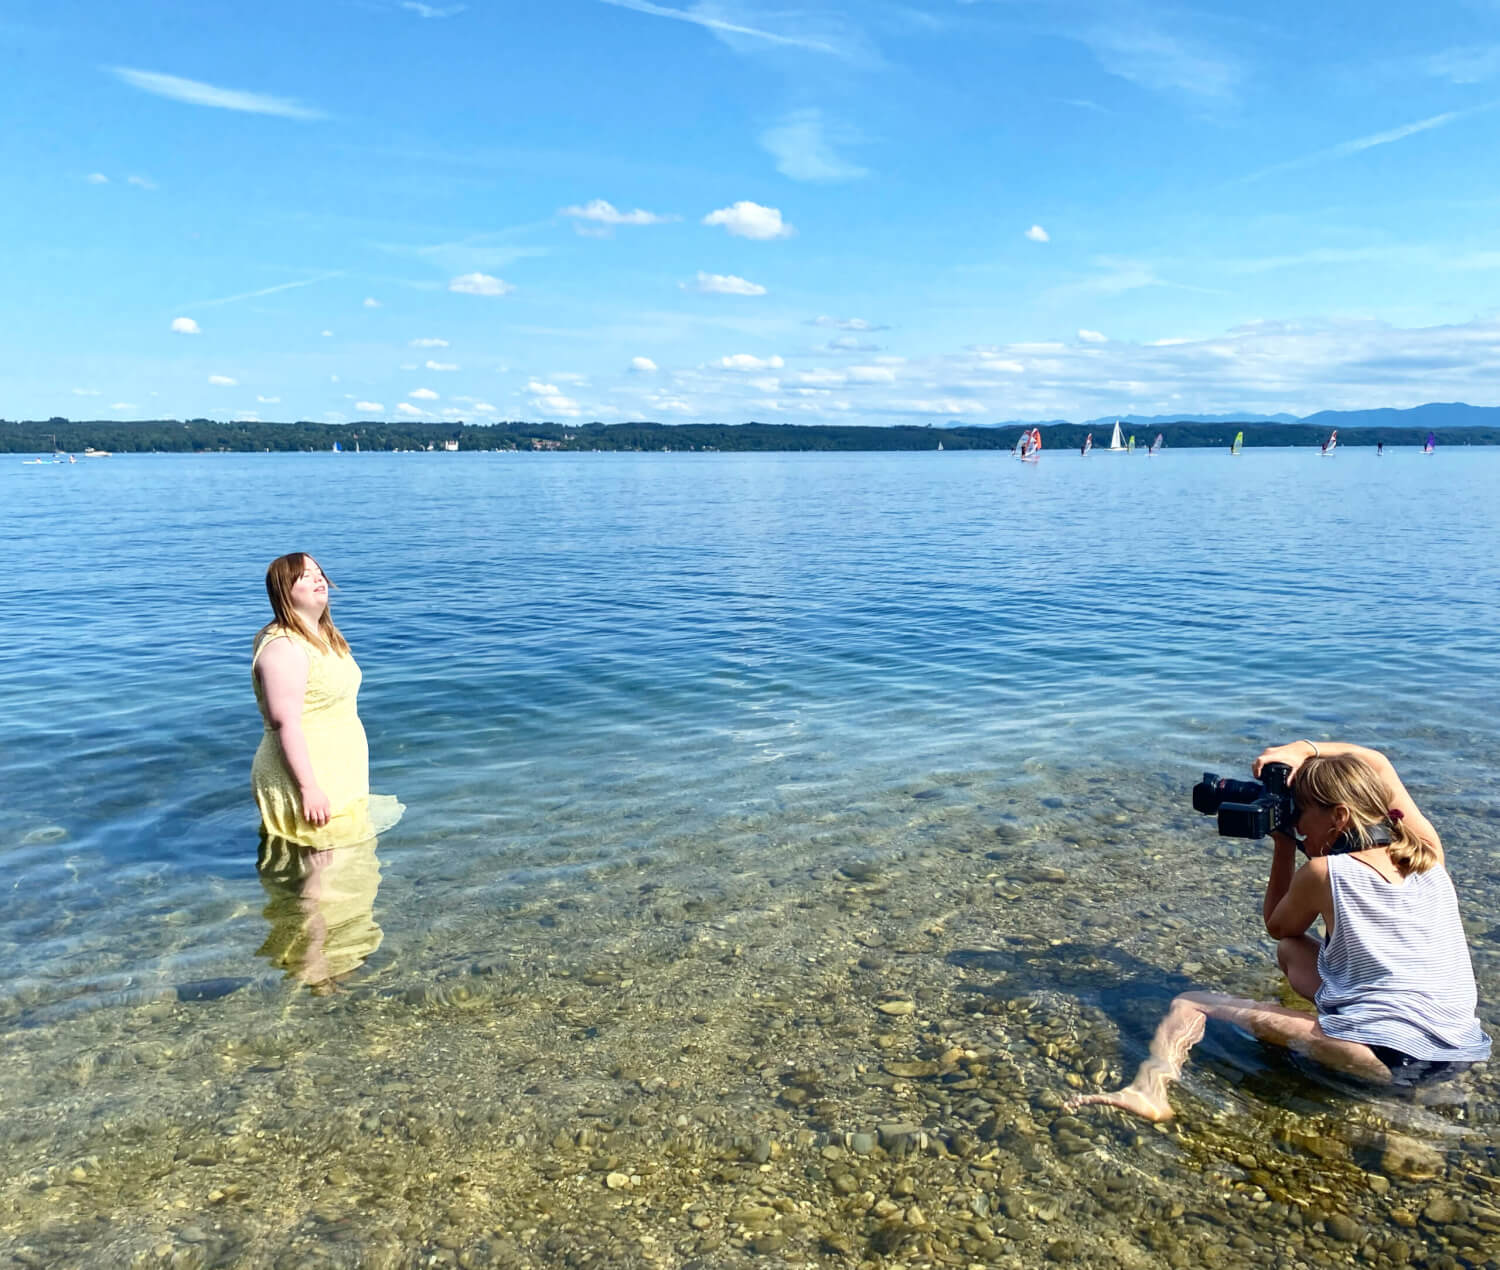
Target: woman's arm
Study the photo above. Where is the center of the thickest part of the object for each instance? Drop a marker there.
(282, 668)
(1298, 752)
(1283, 866)
(1304, 899)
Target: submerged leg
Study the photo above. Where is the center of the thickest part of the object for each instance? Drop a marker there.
(1146, 1095)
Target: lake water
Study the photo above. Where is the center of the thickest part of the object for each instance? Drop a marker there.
(705, 758)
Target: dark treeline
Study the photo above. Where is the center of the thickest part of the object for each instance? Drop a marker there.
(200, 435)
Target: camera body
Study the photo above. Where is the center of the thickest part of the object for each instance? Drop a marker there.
(1249, 809)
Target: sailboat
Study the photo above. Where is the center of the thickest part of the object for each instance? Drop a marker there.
(1155, 447)
(1130, 448)
(1332, 444)
(337, 448)
(1088, 444)
(1031, 446)
(1430, 445)
(1239, 442)
(1117, 440)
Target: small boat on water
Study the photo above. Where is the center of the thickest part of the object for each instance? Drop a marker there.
(1155, 447)
(1330, 445)
(1239, 444)
(1088, 444)
(1430, 445)
(90, 453)
(1117, 440)
(1029, 448)
(1130, 448)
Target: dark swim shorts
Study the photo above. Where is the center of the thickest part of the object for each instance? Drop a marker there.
(1407, 1071)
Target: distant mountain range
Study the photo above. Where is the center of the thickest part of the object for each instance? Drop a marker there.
(1435, 414)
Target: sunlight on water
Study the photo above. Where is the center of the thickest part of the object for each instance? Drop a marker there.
(707, 758)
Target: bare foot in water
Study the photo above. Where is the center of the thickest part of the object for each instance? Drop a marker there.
(1136, 1101)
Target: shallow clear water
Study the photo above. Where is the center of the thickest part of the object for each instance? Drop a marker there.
(596, 680)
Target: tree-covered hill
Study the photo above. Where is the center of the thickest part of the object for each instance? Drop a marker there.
(202, 435)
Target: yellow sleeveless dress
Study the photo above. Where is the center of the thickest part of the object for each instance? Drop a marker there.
(340, 756)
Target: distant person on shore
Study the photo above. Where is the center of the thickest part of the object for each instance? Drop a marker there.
(1392, 982)
(311, 773)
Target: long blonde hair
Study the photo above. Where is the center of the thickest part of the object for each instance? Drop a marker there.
(282, 575)
(1345, 780)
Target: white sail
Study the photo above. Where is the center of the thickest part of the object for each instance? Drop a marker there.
(1117, 439)
(1156, 445)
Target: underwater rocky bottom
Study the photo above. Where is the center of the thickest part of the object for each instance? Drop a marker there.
(851, 1050)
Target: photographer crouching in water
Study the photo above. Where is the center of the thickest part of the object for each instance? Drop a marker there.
(1392, 980)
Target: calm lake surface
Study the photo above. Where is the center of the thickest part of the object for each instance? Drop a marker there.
(631, 701)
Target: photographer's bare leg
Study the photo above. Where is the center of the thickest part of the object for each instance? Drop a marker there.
(1297, 955)
(1146, 1095)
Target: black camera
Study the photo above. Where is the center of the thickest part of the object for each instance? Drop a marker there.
(1249, 809)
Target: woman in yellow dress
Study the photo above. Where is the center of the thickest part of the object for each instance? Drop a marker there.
(311, 773)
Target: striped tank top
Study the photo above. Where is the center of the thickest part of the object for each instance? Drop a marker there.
(1396, 971)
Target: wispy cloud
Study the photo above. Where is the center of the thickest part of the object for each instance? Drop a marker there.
(223, 381)
(598, 218)
(196, 93)
(431, 11)
(802, 144)
(429, 342)
(846, 324)
(479, 284)
(1359, 144)
(724, 284)
(97, 178)
(251, 295)
(1471, 65)
(705, 16)
(141, 182)
(1154, 59)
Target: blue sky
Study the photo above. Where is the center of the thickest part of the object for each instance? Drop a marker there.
(814, 211)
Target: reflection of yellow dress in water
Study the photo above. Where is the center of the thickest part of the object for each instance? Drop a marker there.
(340, 756)
(321, 908)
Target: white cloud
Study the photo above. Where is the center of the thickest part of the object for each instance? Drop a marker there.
(1346, 148)
(431, 11)
(847, 324)
(326, 334)
(186, 326)
(748, 361)
(422, 394)
(196, 93)
(86, 392)
(223, 381)
(1038, 235)
(97, 178)
(333, 379)
(371, 302)
(871, 375)
(822, 378)
(815, 38)
(246, 416)
(484, 408)
(601, 212)
(1466, 64)
(429, 342)
(140, 182)
(432, 365)
(1092, 337)
(556, 403)
(122, 405)
(479, 284)
(1147, 55)
(453, 412)
(804, 152)
(538, 388)
(643, 364)
(750, 220)
(372, 407)
(725, 284)
(268, 401)
(411, 411)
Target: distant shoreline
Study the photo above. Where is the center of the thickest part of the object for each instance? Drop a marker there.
(207, 436)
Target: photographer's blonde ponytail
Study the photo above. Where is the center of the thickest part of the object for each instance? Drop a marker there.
(1334, 780)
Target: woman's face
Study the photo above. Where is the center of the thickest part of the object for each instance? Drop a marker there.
(310, 591)
(1321, 827)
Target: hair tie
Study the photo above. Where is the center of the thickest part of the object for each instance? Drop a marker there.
(1396, 814)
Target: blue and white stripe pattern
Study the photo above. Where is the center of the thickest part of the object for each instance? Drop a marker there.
(1397, 971)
